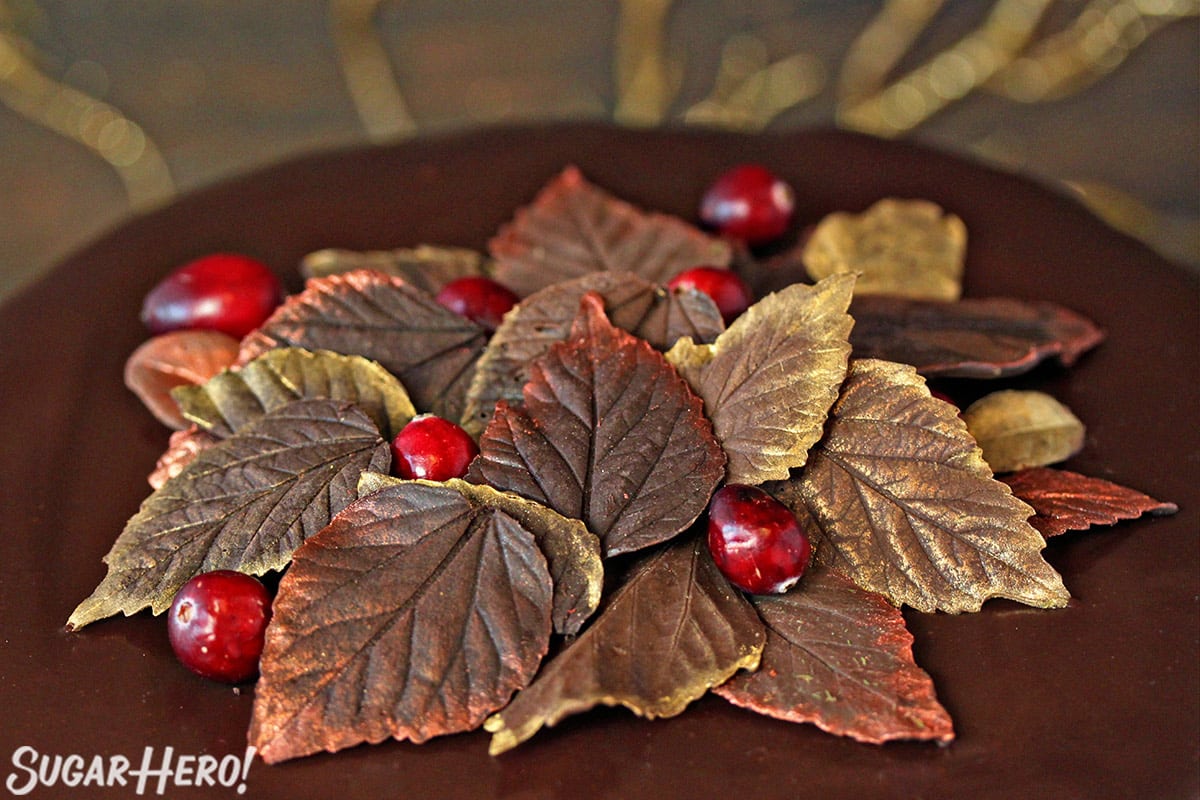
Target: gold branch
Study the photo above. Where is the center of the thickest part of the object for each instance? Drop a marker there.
(1099, 40)
(1174, 236)
(367, 71)
(950, 75)
(1000, 57)
(885, 40)
(642, 72)
(750, 92)
(96, 125)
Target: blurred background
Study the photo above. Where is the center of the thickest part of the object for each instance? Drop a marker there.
(109, 108)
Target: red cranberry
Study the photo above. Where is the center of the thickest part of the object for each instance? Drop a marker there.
(223, 292)
(432, 448)
(748, 203)
(479, 299)
(724, 286)
(755, 540)
(216, 625)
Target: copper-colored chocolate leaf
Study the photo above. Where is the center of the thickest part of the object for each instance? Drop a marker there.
(178, 358)
(672, 631)
(572, 551)
(573, 227)
(610, 435)
(429, 348)
(1019, 429)
(974, 338)
(414, 614)
(768, 382)
(644, 309)
(244, 504)
(428, 267)
(908, 507)
(1067, 501)
(280, 376)
(907, 248)
(841, 658)
(182, 448)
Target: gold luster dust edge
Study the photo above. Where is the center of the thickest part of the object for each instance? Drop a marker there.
(505, 738)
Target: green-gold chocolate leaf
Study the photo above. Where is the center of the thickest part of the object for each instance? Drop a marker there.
(230, 399)
(244, 504)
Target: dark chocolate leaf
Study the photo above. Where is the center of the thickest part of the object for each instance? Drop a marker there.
(244, 504)
(610, 435)
(768, 382)
(573, 227)
(572, 551)
(182, 448)
(673, 630)
(429, 348)
(414, 614)
(178, 358)
(908, 507)
(646, 310)
(1016, 429)
(773, 272)
(1067, 501)
(973, 338)
(427, 267)
(280, 376)
(841, 658)
(907, 248)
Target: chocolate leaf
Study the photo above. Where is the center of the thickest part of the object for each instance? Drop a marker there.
(908, 507)
(773, 272)
(768, 382)
(572, 551)
(611, 435)
(841, 658)
(644, 309)
(178, 358)
(907, 248)
(973, 338)
(1067, 501)
(182, 448)
(427, 267)
(414, 614)
(1019, 429)
(574, 227)
(278, 377)
(429, 348)
(673, 630)
(245, 504)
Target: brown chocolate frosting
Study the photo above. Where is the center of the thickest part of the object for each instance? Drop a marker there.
(1098, 700)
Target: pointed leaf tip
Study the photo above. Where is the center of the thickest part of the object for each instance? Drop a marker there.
(610, 435)
(908, 507)
(768, 382)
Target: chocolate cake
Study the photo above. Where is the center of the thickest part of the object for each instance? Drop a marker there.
(1095, 700)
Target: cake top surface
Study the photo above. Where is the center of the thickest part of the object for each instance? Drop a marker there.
(1098, 680)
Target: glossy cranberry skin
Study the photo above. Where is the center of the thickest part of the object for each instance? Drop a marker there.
(724, 286)
(432, 448)
(748, 203)
(216, 625)
(479, 299)
(222, 292)
(755, 540)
